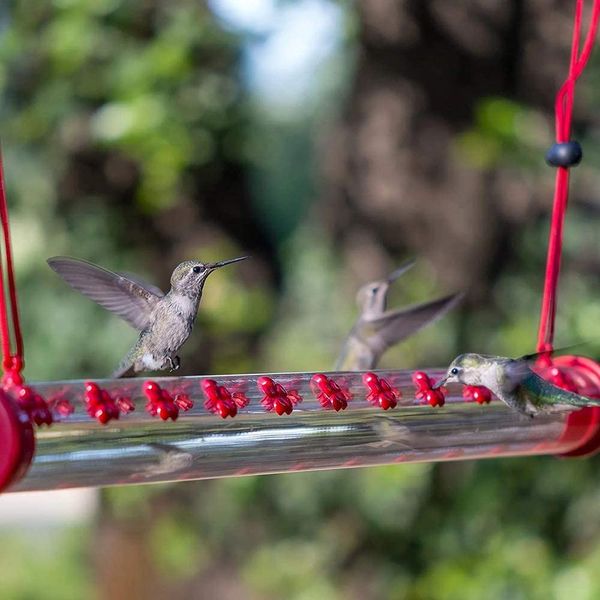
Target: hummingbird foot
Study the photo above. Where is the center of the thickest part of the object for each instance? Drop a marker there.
(174, 363)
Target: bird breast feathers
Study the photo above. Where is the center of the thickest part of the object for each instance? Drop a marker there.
(184, 305)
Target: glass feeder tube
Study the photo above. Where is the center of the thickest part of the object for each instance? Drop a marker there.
(77, 451)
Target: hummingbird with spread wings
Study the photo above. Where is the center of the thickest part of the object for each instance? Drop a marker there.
(513, 381)
(165, 321)
(377, 328)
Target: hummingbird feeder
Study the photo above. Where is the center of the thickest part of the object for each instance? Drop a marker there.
(65, 434)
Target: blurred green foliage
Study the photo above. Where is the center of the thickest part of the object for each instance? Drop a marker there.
(46, 564)
(125, 129)
(111, 111)
(504, 131)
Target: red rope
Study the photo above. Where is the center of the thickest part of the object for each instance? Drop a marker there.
(564, 113)
(11, 362)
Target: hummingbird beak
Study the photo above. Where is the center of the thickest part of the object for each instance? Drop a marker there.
(439, 384)
(222, 263)
(400, 271)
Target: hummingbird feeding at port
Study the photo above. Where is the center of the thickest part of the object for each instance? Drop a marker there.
(165, 321)
(514, 382)
(376, 328)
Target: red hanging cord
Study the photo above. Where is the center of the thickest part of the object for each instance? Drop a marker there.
(564, 113)
(570, 372)
(17, 441)
(11, 362)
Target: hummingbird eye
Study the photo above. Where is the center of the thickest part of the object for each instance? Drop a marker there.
(198, 269)
(454, 371)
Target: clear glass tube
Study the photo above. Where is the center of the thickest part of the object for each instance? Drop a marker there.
(137, 448)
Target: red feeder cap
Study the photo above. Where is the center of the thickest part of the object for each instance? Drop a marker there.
(583, 426)
(17, 442)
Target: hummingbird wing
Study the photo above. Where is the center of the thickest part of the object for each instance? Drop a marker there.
(535, 355)
(131, 300)
(396, 325)
(518, 369)
(150, 287)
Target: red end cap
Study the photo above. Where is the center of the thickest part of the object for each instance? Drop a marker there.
(583, 426)
(17, 442)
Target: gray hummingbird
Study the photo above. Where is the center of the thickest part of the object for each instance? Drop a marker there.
(376, 328)
(513, 381)
(164, 321)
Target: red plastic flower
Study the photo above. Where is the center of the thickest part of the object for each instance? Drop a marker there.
(381, 393)
(160, 402)
(220, 400)
(425, 391)
(34, 405)
(62, 406)
(99, 403)
(276, 397)
(477, 393)
(329, 393)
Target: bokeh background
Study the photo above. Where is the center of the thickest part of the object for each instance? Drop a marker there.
(331, 140)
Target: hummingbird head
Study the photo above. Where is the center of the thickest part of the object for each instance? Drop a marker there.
(189, 276)
(372, 297)
(467, 369)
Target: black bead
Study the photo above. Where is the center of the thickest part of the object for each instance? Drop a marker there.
(567, 154)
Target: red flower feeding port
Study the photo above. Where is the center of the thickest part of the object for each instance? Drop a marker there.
(137, 431)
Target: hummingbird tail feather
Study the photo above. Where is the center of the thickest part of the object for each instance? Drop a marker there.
(542, 392)
(577, 400)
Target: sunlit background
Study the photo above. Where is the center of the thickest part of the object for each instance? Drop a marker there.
(330, 140)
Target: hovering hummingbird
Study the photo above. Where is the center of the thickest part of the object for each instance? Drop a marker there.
(513, 381)
(376, 329)
(164, 321)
